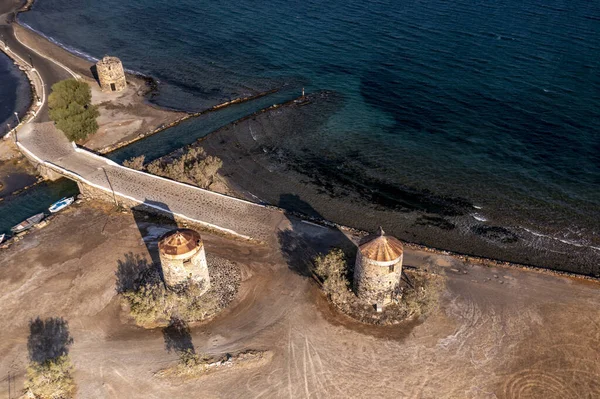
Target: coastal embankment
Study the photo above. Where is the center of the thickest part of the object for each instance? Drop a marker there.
(123, 143)
(261, 154)
(264, 155)
(126, 117)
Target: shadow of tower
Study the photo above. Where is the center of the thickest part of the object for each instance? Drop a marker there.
(306, 240)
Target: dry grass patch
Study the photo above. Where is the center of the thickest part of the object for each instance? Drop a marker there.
(191, 165)
(151, 304)
(192, 365)
(51, 379)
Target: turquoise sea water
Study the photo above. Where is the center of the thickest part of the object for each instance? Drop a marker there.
(494, 103)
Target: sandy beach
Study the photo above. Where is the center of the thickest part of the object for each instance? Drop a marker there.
(501, 331)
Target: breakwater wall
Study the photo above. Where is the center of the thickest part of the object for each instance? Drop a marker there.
(239, 100)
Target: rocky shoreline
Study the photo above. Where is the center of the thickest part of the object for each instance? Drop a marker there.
(222, 133)
(264, 159)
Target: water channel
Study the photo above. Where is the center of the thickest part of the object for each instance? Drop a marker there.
(16, 208)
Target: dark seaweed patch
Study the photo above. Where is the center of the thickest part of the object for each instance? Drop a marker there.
(495, 233)
(337, 177)
(435, 221)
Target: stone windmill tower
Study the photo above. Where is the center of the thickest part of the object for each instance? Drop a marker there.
(111, 74)
(378, 269)
(183, 259)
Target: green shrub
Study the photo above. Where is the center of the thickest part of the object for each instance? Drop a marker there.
(419, 298)
(51, 379)
(193, 167)
(71, 109)
(148, 304)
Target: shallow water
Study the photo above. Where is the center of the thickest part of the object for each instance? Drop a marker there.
(187, 132)
(496, 104)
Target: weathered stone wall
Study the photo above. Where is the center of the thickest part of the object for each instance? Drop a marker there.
(177, 271)
(43, 170)
(100, 177)
(375, 282)
(111, 74)
(92, 192)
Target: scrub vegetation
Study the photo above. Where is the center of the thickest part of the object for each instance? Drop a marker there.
(49, 370)
(193, 166)
(418, 296)
(51, 379)
(151, 304)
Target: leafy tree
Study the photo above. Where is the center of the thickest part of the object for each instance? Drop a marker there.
(71, 108)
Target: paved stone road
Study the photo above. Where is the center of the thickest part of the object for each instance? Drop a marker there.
(49, 145)
(244, 218)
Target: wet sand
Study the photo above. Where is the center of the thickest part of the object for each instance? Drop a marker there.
(264, 159)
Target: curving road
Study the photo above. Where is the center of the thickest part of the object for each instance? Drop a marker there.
(42, 142)
(48, 71)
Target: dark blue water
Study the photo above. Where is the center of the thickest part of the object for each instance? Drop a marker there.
(17, 208)
(14, 93)
(494, 102)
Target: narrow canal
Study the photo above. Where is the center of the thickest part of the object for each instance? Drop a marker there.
(16, 208)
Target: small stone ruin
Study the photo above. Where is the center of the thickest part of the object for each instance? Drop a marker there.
(111, 75)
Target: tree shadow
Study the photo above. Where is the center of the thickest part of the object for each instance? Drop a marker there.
(48, 339)
(130, 272)
(177, 337)
(306, 238)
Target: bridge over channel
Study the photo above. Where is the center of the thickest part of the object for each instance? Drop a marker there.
(99, 177)
(102, 178)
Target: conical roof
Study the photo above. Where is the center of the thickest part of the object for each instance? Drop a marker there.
(382, 248)
(179, 242)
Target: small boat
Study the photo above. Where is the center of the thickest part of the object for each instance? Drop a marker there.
(29, 223)
(2, 238)
(61, 204)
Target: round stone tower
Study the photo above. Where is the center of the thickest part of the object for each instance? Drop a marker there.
(183, 259)
(111, 74)
(378, 269)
